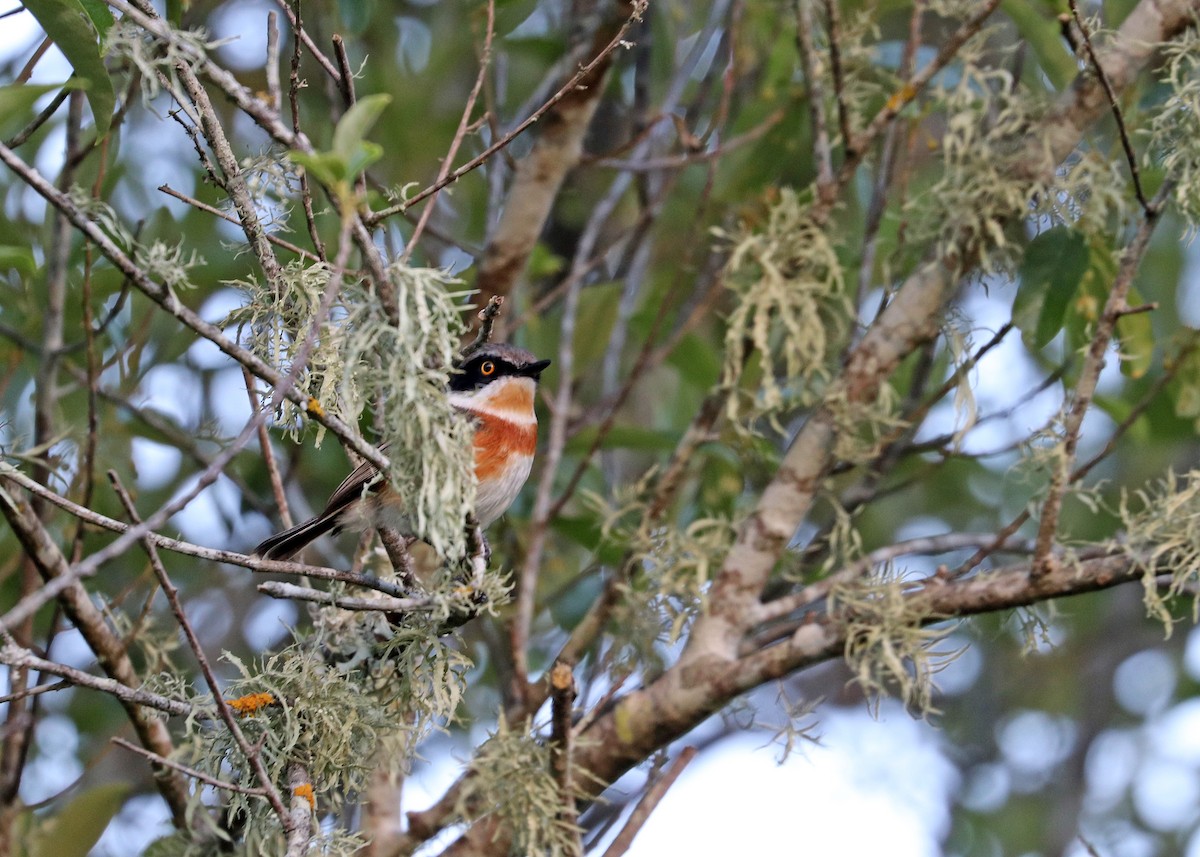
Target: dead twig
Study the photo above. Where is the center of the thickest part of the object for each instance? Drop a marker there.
(1122, 131)
(649, 802)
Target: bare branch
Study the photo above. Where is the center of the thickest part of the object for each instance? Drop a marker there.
(251, 753)
(649, 802)
(15, 656)
(1089, 376)
(562, 697)
(189, 771)
(822, 153)
(1122, 132)
(45, 555)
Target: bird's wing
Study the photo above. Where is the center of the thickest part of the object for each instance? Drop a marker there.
(353, 485)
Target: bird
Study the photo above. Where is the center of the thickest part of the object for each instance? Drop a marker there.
(495, 388)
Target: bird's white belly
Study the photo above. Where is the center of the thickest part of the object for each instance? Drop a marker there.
(495, 495)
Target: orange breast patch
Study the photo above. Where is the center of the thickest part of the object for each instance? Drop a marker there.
(515, 396)
(496, 441)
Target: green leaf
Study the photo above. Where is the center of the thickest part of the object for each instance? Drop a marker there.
(348, 137)
(70, 26)
(73, 831)
(19, 259)
(101, 17)
(1054, 264)
(1041, 31)
(356, 15)
(325, 167)
(366, 154)
(17, 101)
(699, 364)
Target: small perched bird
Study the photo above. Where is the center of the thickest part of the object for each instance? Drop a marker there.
(495, 387)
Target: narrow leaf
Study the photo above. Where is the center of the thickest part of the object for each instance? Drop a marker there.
(353, 127)
(75, 829)
(17, 101)
(76, 34)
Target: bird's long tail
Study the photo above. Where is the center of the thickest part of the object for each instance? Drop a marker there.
(287, 544)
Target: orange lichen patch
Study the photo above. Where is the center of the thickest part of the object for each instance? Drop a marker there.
(305, 790)
(251, 703)
(497, 441)
(901, 97)
(314, 408)
(515, 397)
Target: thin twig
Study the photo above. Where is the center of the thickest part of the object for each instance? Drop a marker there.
(268, 454)
(822, 154)
(926, 546)
(274, 91)
(649, 802)
(41, 119)
(302, 37)
(165, 298)
(910, 89)
(190, 771)
(299, 37)
(460, 133)
(16, 656)
(487, 321)
(235, 180)
(686, 159)
(880, 197)
(378, 604)
(208, 209)
(252, 755)
(1089, 376)
(231, 557)
(835, 69)
(346, 74)
(1122, 131)
(37, 690)
(617, 41)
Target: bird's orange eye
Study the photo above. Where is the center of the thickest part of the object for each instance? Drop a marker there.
(487, 367)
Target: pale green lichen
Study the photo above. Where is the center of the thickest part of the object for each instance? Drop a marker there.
(669, 572)
(1162, 536)
(511, 781)
(399, 368)
(1174, 130)
(891, 647)
(792, 308)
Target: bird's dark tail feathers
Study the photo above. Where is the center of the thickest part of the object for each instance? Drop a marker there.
(287, 544)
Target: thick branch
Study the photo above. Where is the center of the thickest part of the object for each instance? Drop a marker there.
(540, 174)
(109, 649)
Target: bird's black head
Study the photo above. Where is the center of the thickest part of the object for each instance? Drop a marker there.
(492, 361)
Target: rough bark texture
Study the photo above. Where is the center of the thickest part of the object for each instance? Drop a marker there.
(540, 174)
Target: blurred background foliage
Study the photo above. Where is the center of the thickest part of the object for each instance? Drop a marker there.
(1064, 717)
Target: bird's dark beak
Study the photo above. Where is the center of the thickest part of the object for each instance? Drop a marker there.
(533, 370)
